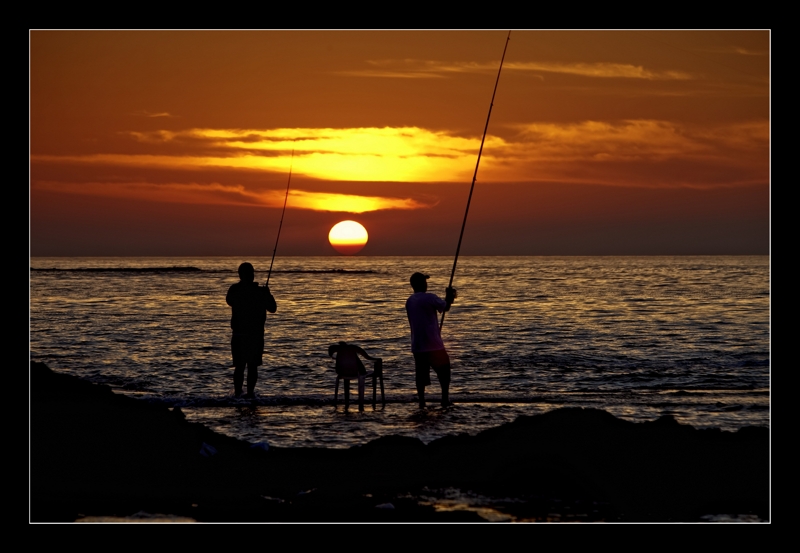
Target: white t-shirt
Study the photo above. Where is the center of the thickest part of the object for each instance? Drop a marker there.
(422, 308)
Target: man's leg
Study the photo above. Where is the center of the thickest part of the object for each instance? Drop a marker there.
(255, 349)
(441, 365)
(421, 396)
(252, 377)
(446, 395)
(422, 375)
(238, 379)
(238, 364)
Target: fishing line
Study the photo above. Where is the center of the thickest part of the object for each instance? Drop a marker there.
(282, 214)
(475, 176)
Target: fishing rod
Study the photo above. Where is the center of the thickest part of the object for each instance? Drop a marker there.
(282, 214)
(475, 176)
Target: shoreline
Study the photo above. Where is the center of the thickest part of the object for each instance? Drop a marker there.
(96, 455)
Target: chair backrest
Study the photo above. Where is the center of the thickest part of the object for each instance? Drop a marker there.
(348, 363)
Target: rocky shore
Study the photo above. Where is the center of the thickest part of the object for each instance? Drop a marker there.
(96, 455)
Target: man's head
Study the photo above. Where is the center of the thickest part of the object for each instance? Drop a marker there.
(419, 282)
(246, 272)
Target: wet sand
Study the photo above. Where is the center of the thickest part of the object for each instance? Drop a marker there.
(96, 455)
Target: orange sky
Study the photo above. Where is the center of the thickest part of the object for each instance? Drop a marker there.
(600, 142)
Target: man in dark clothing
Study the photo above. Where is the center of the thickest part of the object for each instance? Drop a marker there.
(249, 305)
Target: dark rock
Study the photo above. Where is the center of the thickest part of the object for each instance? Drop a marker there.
(93, 452)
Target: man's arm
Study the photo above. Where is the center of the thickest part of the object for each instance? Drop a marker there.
(272, 307)
(450, 295)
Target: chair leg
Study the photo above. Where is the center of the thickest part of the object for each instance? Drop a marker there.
(336, 391)
(346, 393)
(374, 391)
(383, 397)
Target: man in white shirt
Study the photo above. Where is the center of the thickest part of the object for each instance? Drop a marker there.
(422, 309)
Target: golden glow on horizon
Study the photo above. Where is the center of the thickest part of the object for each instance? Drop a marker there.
(351, 203)
(218, 194)
(348, 237)
(405, 154)
(600, 152)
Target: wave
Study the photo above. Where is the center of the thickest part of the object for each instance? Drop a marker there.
(122, 270)
(581, 398)
(318, 400)
(191, 270)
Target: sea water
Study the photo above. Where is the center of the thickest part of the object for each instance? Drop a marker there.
(639, 337)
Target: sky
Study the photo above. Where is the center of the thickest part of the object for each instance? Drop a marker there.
(184, 143)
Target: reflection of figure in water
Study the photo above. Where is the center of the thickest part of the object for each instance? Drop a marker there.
(249, 305)
(349, 365)
(426, 340)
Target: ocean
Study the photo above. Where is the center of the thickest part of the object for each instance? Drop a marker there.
(639, 337)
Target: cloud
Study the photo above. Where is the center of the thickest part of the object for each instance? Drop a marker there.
(350, 203)
(219, 194)
(424, 69)
(371, 154)
(740, 50)
(601, 70)
(145, 113)
(640, 139)
(153, 137)
(640, 152)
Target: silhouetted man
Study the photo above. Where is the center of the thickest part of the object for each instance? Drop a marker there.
(426, 340)
(249, 305)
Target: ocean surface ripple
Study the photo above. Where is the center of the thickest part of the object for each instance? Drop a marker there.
(637, 336)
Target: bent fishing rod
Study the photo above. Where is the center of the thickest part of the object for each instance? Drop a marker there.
(475, 176)
(282, 214)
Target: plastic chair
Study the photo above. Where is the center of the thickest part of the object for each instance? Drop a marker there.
(375, 375)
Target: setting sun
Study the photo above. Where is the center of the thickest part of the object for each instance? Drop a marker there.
(348, 237)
